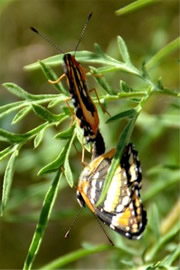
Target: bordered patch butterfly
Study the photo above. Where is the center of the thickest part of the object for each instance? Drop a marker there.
(122, 209)
(85, 110)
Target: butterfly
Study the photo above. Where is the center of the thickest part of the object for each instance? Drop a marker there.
(85, 109)
(122, 209)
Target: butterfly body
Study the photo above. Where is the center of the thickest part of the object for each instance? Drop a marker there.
(85, 109)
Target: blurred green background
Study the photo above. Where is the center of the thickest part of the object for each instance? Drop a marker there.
(145, 31)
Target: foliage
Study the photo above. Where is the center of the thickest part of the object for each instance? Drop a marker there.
(159, 248)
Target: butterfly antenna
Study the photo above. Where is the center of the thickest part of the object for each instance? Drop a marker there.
(83, 31)
(101, 225)
(47, 39)
(73, 223)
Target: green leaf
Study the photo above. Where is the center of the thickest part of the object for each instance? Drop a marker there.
(74, 256)
(124, 50)
(162, 241)
(51, 75)
(46, 114)
(55, 102)
(7, 182)
(57, 162)
(159, 186)
(154, 221)
(39, 137)
(89, 57)
(7, 151)
(135, 6)
(21, 114)
(8, 108)
(164, 52)
(43, 220)
(125, 87)
(17, 91)
(170, 259)
(67, 169)
(12, 137)
(65, 134)
(128, 113)
(124, 139)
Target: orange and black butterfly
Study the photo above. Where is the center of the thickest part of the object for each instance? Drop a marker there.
(122, 209)
(85, 110)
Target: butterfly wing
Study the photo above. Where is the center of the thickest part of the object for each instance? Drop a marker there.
(122, 209)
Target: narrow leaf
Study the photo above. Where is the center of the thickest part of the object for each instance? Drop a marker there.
(7, 182)
(124, 50)
(124, 139)
(46, 114)
(7, 151)
(12, 137)
(164, 52)
(162, 241)
(65, 134)
(16, 90)
(39, 137)
(67, 168)
(21, 114)
(74, 256)
(43, 220)
(8, 108)
(135, 6)
(128, 113)
(53, 103)
(56, 163)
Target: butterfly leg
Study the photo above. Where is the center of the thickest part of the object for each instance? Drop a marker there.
(83, 156)
(58, 80)
(102, 107)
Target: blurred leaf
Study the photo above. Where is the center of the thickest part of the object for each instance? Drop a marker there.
(8, 108)
(169, 260)
(8, 178)
(7, 151)
(39, 137)
(67, 168)
(43, 220)
(124, 51)
(89, 57)
(4, 4)
(164, 52)
(124, 87)
(154, 221)
(135, 6)
(11, 137)
(65, 134)
(54, 102)
(21, 114)
(46, 114)
(56, 163)
(128, 113)
(17, 91)
(169, 179)
(74, 256)
(162, 241)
